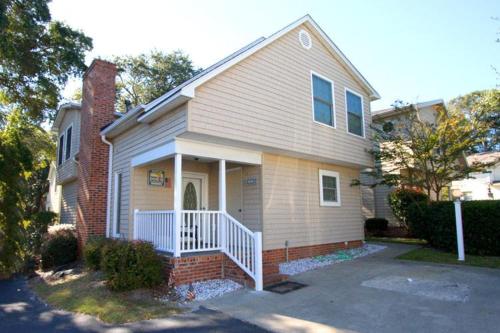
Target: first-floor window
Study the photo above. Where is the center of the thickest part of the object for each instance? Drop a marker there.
(329, 188)
(118, 202)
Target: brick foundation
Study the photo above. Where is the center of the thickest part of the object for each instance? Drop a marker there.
(218, 266)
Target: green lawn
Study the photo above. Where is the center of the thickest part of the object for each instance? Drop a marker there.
(399, 240)
(431, 255)
(87, 294)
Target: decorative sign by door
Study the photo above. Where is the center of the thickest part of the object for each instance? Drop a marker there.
(156, 178)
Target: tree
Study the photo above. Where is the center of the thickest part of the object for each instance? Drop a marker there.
(37, 56)
(145, 77)
(25, 153)
(429, 156)
(483, 106)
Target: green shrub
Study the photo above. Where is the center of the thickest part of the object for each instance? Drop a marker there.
(376, 225)
(58, 248)
(435, 222)
(131, 265)
(37, 227)
(400, 200)
(92, 252)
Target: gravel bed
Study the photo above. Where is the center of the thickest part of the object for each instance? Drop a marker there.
(208, 289)
(307, 264)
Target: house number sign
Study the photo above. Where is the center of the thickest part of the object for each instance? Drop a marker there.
(251, 181)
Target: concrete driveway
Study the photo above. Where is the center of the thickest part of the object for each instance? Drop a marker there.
(376, 294)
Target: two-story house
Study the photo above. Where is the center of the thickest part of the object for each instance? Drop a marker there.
(375, 199)
(244, 166)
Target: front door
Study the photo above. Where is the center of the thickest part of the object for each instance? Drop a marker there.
(192, 193)
(234, 193)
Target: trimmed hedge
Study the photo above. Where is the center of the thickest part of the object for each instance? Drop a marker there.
(58, 248)
(435, 222)
(131, 265)
(400, 200)
(92, 252)
(376, 225)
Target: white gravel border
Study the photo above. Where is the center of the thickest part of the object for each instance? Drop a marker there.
(208, 289)
(307, 264)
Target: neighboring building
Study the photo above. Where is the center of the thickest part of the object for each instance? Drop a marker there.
(245, 165)
(64, 182)
(375, 200)
(482, 185)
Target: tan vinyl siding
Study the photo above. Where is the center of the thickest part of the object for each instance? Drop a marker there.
(291, 204)
(136, 140)
(68, 170)
(252, 198)
(69, 202)
(266, 100)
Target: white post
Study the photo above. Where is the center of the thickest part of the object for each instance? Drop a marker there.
(258, 261)
(135, 223)
(177, 204)
(460, 233)
(222, 185)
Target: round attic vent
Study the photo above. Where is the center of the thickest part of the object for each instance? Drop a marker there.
(305, 39)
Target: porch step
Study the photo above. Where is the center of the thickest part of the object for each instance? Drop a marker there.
(273, 279)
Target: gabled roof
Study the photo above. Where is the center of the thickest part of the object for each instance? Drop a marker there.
(186, 91)
(61, 111)
(394, 111)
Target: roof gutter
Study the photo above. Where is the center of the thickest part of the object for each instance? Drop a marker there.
(110, 178)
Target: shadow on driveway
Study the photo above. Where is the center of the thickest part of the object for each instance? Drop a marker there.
(22, 311)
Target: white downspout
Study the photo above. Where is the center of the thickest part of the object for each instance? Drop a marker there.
(110, 178)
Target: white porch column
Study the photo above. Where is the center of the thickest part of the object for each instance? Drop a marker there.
(222, 204)
(177, 203)
(222, 185)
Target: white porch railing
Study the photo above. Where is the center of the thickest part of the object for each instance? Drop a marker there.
(200, 230)
(157, 227)
(203, 231)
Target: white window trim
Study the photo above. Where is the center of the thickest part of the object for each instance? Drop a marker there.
(337, 177)
(71, 143)
(333, 100)
(115, 205)
(362, 113)
(60, 148)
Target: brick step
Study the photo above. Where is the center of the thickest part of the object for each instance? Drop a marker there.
(274, 278)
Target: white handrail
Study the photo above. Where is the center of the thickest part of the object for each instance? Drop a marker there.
(202, 230)
(244, 247)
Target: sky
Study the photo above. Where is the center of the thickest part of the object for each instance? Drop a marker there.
(408, 50)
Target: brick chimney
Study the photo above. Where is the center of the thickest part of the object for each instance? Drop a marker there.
(98, 102)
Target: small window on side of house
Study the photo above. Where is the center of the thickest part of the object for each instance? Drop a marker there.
(329, 187)
(322, 95)
(68, 142)
(354, 109)
(60, 150)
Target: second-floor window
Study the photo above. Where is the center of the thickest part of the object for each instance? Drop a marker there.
(60, 150)
(322, 91)
(68, 142)
(354, 108)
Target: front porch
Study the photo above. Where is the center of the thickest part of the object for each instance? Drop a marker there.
(191, 204)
